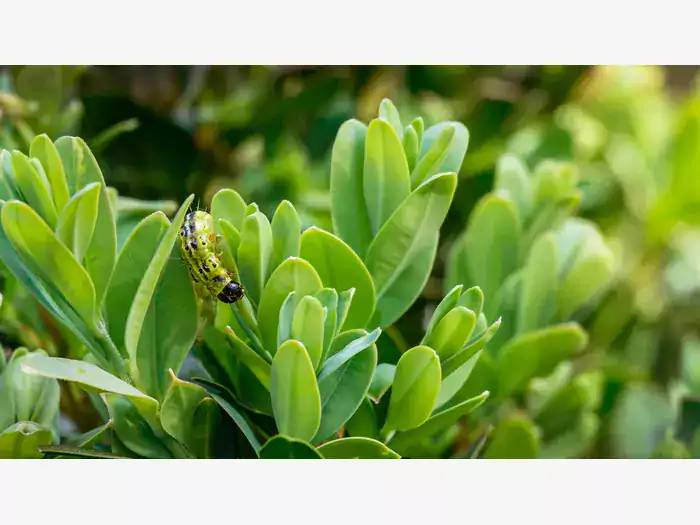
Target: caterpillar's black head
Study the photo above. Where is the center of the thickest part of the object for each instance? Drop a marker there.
(231, 293)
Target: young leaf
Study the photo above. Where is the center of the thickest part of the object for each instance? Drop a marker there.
(293, 275)
(227, 204)
(132, 263)
(76, 223)
(102, 252)
(342, 392)
(283, 447)
(432, 160)
(440, 422)
(357, 448)
(296, 402)
(452, 383)
(490, 246)
(308, 326)
(409, 236)
(45, 152)
(389, 114)
(348, 210)
(411, 147)
(45, 254)
(286, 233)
(448, 303)
(35, 191)
(473, 299)
(538, 292)
(452, 332)
(256, 364)
(512, 177)
(284, 328)
(147, 287)
(415, 389)
(457, 149)
(386, 181)
(328, 298)
(363, 423)
(164, 345)
(340, 268)
(231, 240)
(536, 354)
(351, 349)
(255, 254)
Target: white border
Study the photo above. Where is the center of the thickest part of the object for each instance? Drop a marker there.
(353, 492)
(370, 32)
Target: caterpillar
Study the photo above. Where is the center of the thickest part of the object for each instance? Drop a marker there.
(198, 244)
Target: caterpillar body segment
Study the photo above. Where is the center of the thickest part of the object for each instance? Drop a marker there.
(199, 247)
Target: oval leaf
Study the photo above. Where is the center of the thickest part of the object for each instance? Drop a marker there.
(385, 179)
(255, 254)
(415, 389)
(45, 152)
(357, 448)
(35, 191)
(283, 447)
(286, 233)
(76, 223)
(340, 268)
(308, 326)
(296, 402)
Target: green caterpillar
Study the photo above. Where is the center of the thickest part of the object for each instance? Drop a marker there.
(198, 244)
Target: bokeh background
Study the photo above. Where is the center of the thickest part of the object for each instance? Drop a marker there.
(161, 133)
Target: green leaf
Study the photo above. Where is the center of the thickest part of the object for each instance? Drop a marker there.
(340, 268)
(30, 397)
(452, 332)
(255, 254)
(147, 287)
(102, 253)
(48, 257)
(206, 419)
(389, 114)
(293, 275)
(342, 392)
(21, 441)
(344, 302)
(440, 422)
(381, 381)
(89, 376)
(168, 330)
(283, 447)
(457, 149)
(229, 205)
(351, 349)
(76, 223)
(68, 452)
(357, 448)
(72, 160)
(256, 364)
(408, 237)
(329, 300)
(512, 177)
(415, 389)
(45, 152)
(411, 146)
(36, 193)
(308, 326)
(232, 241)
(178, 411)
(287, 310)
(132, 263)
(225, 400)
(433, 159)
(536, 354)
(133, 430)
(296, 402)
(348, 210)
(490, 247)
(448, 303)
(363, 423)
(539, 286)
(515, 438)
(455, 380)
(286, 233)
(386, 181)
(419, 126)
